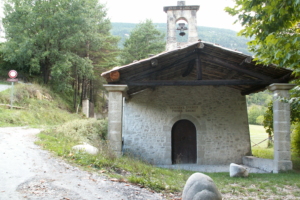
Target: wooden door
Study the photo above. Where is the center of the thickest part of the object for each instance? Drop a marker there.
(184, 142)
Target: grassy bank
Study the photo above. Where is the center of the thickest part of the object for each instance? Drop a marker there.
(36, 106)
(268, 153)
(257, 135)
(169, 182)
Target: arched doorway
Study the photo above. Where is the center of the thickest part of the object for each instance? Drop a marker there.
(184, 142)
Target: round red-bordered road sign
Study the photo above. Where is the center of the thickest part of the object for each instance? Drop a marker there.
(12, 74)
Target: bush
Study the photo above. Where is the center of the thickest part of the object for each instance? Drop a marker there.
(296, 139)
(260, 120)
(91, 131)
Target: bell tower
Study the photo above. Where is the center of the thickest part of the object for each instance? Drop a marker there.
(181, 12)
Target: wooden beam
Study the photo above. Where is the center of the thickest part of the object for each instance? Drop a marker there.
(253, 90)
(199, 67)
(230, 76)
(238, 68)
(147, 73)
(199, 82)
(189, 68)
(246, 60)
(283, 79)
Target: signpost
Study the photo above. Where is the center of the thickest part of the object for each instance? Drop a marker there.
(12, 78)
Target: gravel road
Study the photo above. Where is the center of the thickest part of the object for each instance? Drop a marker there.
(28, 172)
(4, 87)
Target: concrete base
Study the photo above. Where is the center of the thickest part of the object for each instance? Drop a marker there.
(259, 163)
(282, 166)
(208, 168)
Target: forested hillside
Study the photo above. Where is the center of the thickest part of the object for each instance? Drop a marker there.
(224, 37)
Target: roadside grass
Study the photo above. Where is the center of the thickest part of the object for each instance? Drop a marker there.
(167, 181)
(4, 82)
(39, 107)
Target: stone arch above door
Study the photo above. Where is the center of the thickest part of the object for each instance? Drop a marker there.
(200, 133)
(200, 124)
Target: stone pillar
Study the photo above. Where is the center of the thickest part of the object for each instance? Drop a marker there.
(281, 124)
(91, 110)
(86, 107)
(115, 114)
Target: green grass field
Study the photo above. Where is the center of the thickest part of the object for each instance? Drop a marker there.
(258, 134)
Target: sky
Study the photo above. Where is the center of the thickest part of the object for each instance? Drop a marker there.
(211, 12)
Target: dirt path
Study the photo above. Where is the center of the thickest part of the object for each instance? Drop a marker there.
(28, 172)
(4, 87)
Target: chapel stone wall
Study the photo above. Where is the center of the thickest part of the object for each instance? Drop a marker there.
(219, 114)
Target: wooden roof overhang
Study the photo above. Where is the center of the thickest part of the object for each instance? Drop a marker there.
(198, 64)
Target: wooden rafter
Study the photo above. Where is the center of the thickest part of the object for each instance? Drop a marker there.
(200, 82)
(177, 62)
(199, 67)
(238, 68)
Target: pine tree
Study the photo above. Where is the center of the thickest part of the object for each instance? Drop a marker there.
(144, 39)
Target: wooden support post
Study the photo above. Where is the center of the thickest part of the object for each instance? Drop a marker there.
(199, 67)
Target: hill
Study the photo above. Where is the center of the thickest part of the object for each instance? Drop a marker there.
(224, 37)
(35, 105)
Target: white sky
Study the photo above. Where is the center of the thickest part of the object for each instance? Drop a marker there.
(1, 9)
(211, 12)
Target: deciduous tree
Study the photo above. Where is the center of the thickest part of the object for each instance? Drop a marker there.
(274, 29)
(63, 40)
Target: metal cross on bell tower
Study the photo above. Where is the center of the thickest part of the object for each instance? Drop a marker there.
(185, 13)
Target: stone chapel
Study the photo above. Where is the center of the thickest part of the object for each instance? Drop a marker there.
(187, 105)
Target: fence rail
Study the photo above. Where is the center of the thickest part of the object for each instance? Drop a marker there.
(260, 142)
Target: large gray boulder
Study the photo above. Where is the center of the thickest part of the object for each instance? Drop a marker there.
(200, 187)
(87, 148)
(236, 170)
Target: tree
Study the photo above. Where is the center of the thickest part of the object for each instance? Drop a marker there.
(274, 29)
(144, 39)
(62, 40)
(255, 112)
(294, 102)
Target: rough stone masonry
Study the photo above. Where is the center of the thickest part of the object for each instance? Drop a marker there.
(218, 113)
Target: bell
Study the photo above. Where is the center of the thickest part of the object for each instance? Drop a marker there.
(182, 33)
(181, 28)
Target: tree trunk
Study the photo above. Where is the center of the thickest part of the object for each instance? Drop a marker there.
(91, 91)
(46, 70)
(75, 91)
(270, 141)
(82, 90)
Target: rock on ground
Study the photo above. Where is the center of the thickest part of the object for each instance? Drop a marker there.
(200, 187)
(87, 148)
(28, 172)
(236, 170)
